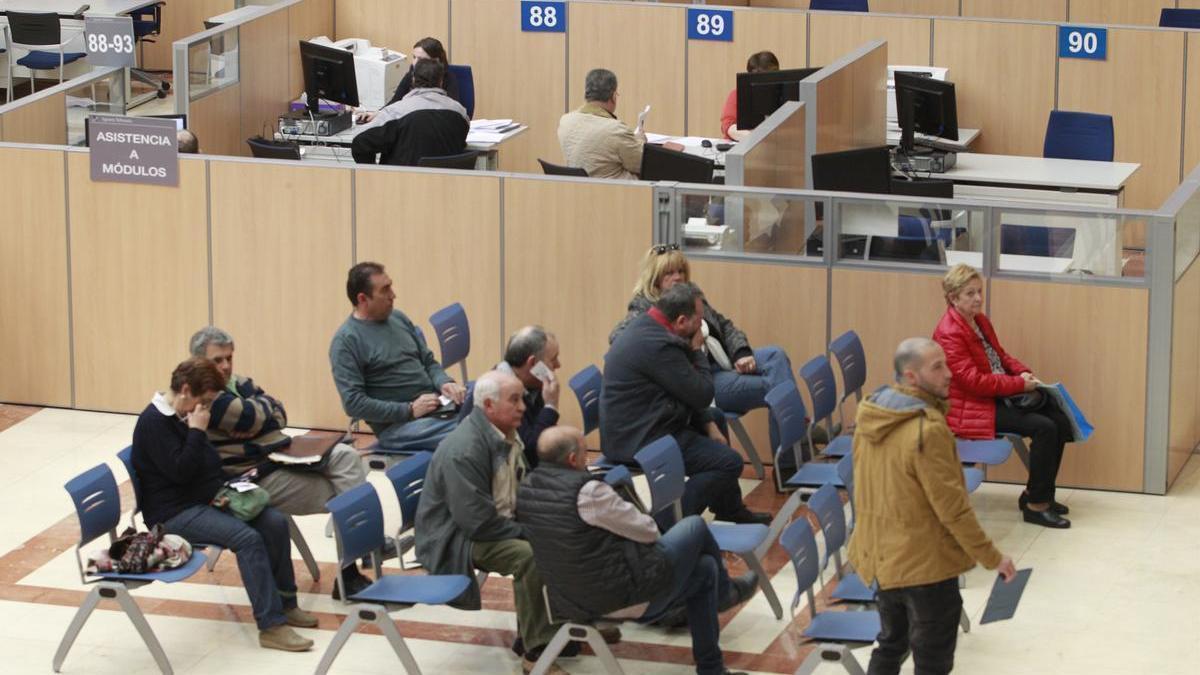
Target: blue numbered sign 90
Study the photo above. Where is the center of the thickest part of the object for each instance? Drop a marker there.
(1078, 42)
(543, 17)
(710, 24)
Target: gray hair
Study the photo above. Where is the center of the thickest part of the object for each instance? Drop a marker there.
(910, 352)
(599, 85)
(487, 387)
(209, 335)
(679, 300)
(527, 342)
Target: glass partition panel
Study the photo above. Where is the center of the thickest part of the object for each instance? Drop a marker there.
(908, 231)
(1187, 233)
(735, 222)
(103, 96)
(213, 64)
(1068, 243)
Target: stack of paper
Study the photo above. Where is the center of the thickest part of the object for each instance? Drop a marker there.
(490, 131)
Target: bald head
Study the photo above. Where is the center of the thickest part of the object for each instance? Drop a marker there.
(911, 354)
(563, 446)
(921, 363)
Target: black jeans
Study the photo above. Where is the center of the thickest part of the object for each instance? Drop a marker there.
(923, 619)
(1049, 429)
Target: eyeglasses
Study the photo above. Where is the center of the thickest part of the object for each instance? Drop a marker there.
(663, 248)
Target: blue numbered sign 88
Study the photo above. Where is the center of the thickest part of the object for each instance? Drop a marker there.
(710, 24)
(1079, 42)
(543, 17)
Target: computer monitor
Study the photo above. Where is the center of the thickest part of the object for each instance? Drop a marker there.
(861, 170)
(328, 75)
(760, 94)
(659, 163)
(925, 105)
(180, 120)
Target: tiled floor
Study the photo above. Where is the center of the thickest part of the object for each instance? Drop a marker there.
(1116, 594)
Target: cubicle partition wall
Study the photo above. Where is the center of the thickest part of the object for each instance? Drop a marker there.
(773, 156)
(180, 18)
(55, 115)
(847, 102)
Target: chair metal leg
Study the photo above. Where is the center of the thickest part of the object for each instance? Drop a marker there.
(388, 628)
(81, 616)
(964, 621)
(143, 628)
(1019, 447)
(302, 546)
(329, 528)
(743, 437)
(213, 552)
(463, 364)
(576, 632)
(339, 639)
(764, 582)
(830, 653)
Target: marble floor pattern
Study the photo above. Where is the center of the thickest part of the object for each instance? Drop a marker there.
(1115, 595)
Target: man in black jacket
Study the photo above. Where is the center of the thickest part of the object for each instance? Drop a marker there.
(601, 557)
(425, 123)
(657, 382)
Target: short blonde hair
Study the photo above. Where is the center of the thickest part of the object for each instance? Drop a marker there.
(658, 262)
(957, 279)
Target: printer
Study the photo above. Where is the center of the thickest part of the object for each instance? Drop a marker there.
(377, 70)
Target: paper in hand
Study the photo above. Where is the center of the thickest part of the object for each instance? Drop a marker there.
(642, 117)
(1003, 601)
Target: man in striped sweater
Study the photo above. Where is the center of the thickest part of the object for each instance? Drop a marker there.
(247, 425)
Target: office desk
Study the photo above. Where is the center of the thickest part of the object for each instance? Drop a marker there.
(1058, 181)
(336, 148)
(966, 137)
(70, 8)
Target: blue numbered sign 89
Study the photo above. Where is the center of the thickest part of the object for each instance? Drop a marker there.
(710, 24)
(1078, 42)
(543, 17)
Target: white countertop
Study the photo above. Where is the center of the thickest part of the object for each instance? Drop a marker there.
(69, 7)
(1059, 173)
(1012, 263)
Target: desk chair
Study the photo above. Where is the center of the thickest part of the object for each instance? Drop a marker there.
(31, 31)
(847, 349)
(1079, 135)
(839, 5)
(1037, 240)
(262, 148)
(147, 22)
(1179, 18)
(98, 508)
(453, 336)
(464, 160)
(559, 170)
(466, 87)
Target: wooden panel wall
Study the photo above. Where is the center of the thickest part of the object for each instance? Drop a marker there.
(833, 35)
(305, 21)
(650, 34)
(1184, 431)
(1117, 12)
(43, 121)
(713, 66)
(1143, 66)
(141, 282)
(920, 7)
(179, 20)
(504, 88)
(265, 92)
(279, 266)
(861, 89)
(444, 250)
(395, 25)
(1012, 125)
(1191, 137)
(585, 271)
(35, 351)
(736, 290)
(216, 121)
(1107, 380)
(1032, 10)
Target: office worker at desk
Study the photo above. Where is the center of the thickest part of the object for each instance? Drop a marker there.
(759, 62)
(431, 49)
(425, 123)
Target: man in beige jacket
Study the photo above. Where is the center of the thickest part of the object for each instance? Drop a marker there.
(916, 531)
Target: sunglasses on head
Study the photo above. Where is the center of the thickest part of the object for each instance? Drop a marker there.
(663, 248)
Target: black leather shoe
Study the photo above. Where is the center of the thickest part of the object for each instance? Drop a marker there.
(1060, 509)
(741, 589)
(355, 583)
(747, 517)
(1045, 518)
(570, 650)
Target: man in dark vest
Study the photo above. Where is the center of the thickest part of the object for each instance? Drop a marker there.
(599, 556)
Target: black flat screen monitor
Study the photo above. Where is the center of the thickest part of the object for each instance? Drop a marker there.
(328, 75)
(925, 105)
(659, 163)
(760, 94)
(862, 170)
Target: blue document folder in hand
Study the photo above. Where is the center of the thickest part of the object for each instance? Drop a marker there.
(1002, 603)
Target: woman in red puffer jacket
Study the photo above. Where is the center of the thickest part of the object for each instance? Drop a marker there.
(985, 376)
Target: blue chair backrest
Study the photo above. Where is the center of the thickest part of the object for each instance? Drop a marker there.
(822, 388)
(466, 87)
(1179, 18)
(468, 402)
(408, 479)
(662, 462)
(840, 5)
(1037, 240)
(801, 546)
(1079, 135)
(826, 505)
(97, 502)
(586, 385)
(358, 522)
(913, 227)
(453, 333)
(788, 410)
(126, 457)
(845, 471)
(852, 361)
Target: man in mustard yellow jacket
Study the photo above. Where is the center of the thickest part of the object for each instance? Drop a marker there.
(916, 531)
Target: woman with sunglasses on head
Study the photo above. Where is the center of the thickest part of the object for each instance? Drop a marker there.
(742, 376)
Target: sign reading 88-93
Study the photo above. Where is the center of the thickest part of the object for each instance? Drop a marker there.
(109, 41)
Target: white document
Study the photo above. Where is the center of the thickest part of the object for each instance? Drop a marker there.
(641, 124)
(281, 458)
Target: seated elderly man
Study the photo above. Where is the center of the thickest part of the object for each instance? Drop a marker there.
(602, 557)
(246, 425)
(467, 505)
(532, 356)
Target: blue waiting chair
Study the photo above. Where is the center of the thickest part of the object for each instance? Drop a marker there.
(1037, 240)
(792, 419)
(662, 463)
(586, 384)
(34, 32)
(453, 336)
(833, 630)
(466, 87)
(839, 5)
(734, 420)
(98, 507)
(848, 350)
(1179, 18)
(1079, 135)
(358, 524)
(822, 391)
(984, 453)
(826, 505)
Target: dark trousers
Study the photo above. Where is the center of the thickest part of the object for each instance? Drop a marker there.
(923, 619)
(1049, 429)
(713, 470)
